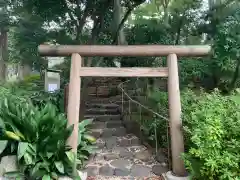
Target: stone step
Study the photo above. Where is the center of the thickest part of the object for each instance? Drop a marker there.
(104, 118)
(102, 105)
(121, 141)
(102, 111)
(108, 132)
(99, 95)
(104, 99)
(94, 100)
(107, 124)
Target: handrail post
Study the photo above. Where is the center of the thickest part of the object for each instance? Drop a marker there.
(122, 101)
(66, 91)
(129, 109)
(74, 103)
(177, 143)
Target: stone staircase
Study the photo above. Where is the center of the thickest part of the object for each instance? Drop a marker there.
(120, 154)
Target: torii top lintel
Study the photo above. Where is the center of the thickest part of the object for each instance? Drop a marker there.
(123, 50)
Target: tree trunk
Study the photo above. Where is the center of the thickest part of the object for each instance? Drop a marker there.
(166, 17)
(165, 4)
(211, 3)
(23, 71)
(235, 75)
(179, 28)
(3, 54)
(117, 20)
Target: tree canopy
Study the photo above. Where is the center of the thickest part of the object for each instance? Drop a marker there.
(28, 23)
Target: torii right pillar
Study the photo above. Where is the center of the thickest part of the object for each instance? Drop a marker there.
(177, 141)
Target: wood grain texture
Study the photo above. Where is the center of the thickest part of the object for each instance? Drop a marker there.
(74, 100)
(177, 142)
(123, 50)
(123, 72)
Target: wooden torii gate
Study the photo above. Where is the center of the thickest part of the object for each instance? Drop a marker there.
(171, 71)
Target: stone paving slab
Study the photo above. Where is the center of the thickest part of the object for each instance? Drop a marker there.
(102, 111)
(99, 105)
(104, 117)
(115, 160)
(125, 178)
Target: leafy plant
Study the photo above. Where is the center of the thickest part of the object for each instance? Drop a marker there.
(41, 98)
(211, 125)
(85, 142)
(38, 138)
(212, 135)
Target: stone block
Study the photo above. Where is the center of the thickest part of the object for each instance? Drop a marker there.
(108, 132)
(121, 163)
(121, 131)
(140, 171)
(111, 142)
(124, 142)
(143, 155)
(106, 170)
(126, 154)
(110, 156)
(121, 172)
(92, 170)
(159, 169)
(113, 124)
(135, 141)
(8, 164)
(170, 176)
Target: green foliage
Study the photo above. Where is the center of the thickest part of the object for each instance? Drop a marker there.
(41, 98)
(226, 50)
(24, 88)
(211, 124)
(6, 91)
(193, 72)
(157, 127)
(85, 142)
(38, 137)
(154, 127)
(31, 90)
(24, 37)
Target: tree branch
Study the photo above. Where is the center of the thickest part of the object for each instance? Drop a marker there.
(98, 25)
(179, 29)
(127, 14)
(217, 7)
(82, 20)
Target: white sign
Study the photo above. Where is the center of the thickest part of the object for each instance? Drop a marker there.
(52, 87)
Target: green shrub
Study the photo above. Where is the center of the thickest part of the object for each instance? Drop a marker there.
(38, 138)
(22, 89)
(212, 135)
(30, 90)
(32, 78)
(211, 130)
(85, 142)
(41, 98)
(29, 85)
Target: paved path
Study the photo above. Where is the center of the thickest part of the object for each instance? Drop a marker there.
(119, 153)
